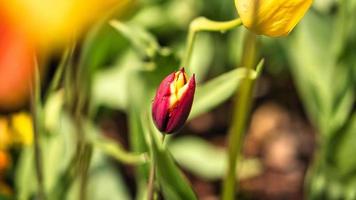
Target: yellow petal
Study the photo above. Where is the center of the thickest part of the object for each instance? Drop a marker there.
(271, 17)
(178, 87)
(23, 129)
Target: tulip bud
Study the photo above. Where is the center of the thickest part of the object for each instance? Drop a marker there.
(173, 101)
(271, 17)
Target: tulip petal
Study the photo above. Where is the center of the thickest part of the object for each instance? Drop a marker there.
(272, 18)
(161, 103)
(179, 113)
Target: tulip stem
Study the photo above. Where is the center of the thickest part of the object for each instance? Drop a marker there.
(65, 60)
(204, 24)
(36, 115)
(151, 179)
(163, 137)
(240, 116)
(84, 170)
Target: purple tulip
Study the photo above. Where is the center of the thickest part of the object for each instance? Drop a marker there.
(173, 101)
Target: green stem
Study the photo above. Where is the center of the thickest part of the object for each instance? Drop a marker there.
(84, 170)
(65, 180)
(114, 150)
(151, 179)
(240, 116)
(65, 60)
(36, 110)
(163, 138)
(150, 187)
(204, 24)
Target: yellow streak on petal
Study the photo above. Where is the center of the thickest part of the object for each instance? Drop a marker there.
(182, 91)
(178, 88)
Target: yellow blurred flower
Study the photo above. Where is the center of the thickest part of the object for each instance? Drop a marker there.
(16, 130)
(5, 136)
(50, 22)
(271, 17)
(22, 128)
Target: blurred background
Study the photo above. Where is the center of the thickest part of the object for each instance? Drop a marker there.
(79, 73)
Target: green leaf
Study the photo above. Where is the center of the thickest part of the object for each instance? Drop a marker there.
(345, 149)
(110, 86)
(208, 161)
(101, 46)
(131, 80)
(306, 63)
(143, 42)
(105, 180)
(171, 180)
(202, 56)
(328, 102)
(25, 170)
(217, 90)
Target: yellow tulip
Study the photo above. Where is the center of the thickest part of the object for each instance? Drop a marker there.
(50, 22)
(272, 18)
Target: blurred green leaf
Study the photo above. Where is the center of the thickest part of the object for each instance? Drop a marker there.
(344, 151)
(58, 144)
(116, 86)
(101, 46)
(322, 64)
(143, 42)
(105, 180)
(235, 45)
(202, 56)
(110, 86)
(208, 161)
(166, 16)
(324, 5)
(217, 90)
(314, 62)
(25, 171)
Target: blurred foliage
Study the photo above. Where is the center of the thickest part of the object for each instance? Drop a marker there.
(125, 60)
(208, 161)
(320, 54)
(323, 65)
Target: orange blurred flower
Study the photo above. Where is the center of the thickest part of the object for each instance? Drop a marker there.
(16, 66)
(4, 161)
(27, 26)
